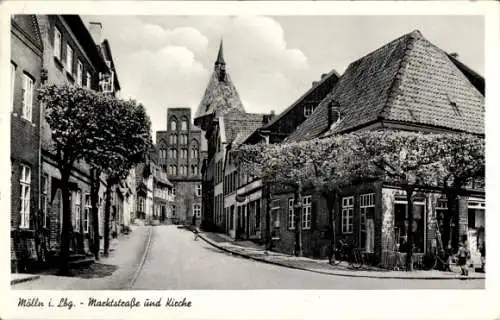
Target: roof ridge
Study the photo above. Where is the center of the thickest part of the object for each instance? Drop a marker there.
(410, 40)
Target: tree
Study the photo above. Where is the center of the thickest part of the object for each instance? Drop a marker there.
(462, 163)
(68, 110)
(122, 142)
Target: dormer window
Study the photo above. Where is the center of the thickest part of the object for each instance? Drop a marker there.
(106, 82)
(308, 110)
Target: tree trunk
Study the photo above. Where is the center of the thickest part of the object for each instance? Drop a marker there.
(409, 253)
(330, 202)
(107, 213)
(269, 242)
(298, 221)
(67, 228)
(94, 199)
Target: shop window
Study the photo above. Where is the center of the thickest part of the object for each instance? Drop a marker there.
(476, 225)
(402, 226)
(366, 223)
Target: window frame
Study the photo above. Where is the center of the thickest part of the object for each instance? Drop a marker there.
(88, 80)
(347, 215)
(13, 72)
(57, 49)
(173, 125)
(198, 190)
(197, 210)
(25, 196)
(366, 201)
(87, 209)
(79, 72)
(306, 110)
(69, 64)
(306, 212)
(27, 111)
(78, 209)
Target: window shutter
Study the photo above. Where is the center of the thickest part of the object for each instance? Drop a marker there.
(313, 214)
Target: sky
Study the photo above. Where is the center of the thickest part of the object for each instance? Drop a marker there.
(166, 61)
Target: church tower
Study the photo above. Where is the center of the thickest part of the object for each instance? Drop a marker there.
(220, 95)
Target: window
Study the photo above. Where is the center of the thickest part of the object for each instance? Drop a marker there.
(173, 191)
(57, 43)
(194, 153)
(306, 213)
(197, 210)
(367, 213)
(291, 214)
(183, 154)
(13, 68)
(173, 139)
(142, 205)
(88, 81)
(27, 97)
(86, 213)
(401, 223)
(78, 209)
(44, 198)
(173, 210)
(198, 190)
(79, 73)
(347, 214)
(184, 125)
(174, 170)
(275, 219)
(69, 59)
(308, 110)
(441, 213)
(25, 183)
(173, 125)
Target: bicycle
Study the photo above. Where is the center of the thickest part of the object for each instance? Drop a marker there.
(349, 253)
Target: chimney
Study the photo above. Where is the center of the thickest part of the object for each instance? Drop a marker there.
(324, 75)
(314, 83)
(95, 29)
(454, 55)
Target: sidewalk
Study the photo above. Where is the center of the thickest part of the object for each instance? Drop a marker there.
(110, 273)
(253, 251)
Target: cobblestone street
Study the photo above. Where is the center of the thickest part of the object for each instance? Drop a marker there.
(176, 262)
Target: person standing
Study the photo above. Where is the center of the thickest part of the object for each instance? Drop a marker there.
(463, 256)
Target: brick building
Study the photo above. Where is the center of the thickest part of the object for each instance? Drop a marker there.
(408, 84)
(70, 56)
(26, 77)
(181, 150)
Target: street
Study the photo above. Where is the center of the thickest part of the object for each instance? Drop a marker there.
(175, 261)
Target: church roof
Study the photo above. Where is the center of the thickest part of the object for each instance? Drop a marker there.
(408, 80)
(220, 94)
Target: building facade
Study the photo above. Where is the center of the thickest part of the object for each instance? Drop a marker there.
(181, 150)
(51, 49)
(26, 77)
(419, 87)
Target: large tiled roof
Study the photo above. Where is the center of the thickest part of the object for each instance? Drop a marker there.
(220, 94)
(237, 123)
(409, 80)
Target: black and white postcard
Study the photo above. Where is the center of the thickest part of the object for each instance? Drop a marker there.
(253, 160)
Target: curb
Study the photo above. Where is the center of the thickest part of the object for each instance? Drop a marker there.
(25, 279)
(143, 259)
(202, 236)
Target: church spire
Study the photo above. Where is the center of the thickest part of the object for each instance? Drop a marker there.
(220, 56)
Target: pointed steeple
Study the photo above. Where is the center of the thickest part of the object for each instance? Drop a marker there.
(220, 55)
(220, 95)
